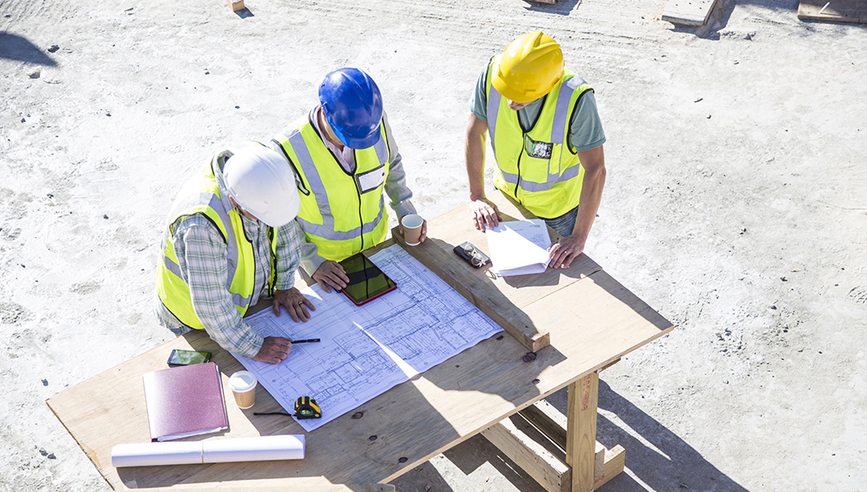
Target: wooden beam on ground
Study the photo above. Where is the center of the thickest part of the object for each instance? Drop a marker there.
(581, 431)
(551, 473)
(833, 11)
(485, 297)
(688, 12)
(552, 423)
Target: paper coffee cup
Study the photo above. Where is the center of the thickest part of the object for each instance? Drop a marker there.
(243, 384)
(412, 228)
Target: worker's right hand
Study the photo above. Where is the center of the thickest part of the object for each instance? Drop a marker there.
(330, 274)
(274, 350)
(485, 214)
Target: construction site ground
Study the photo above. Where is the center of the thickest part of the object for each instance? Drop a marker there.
(735, 204)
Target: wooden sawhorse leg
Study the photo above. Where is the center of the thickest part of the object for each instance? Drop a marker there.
(588, 472)
(577, 462)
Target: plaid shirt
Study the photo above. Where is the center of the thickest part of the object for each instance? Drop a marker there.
(201, 253)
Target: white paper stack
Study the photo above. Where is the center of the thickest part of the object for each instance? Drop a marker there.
(519, 247)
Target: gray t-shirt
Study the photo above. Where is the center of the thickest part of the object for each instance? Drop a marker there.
(585, 132)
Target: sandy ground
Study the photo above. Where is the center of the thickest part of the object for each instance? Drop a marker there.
(736, 205)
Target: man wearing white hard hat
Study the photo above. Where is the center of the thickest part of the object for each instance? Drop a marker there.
(231, 239)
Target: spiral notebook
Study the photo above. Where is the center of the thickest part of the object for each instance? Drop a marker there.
(185, 401)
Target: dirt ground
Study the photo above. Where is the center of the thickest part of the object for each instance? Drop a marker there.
(736, 205)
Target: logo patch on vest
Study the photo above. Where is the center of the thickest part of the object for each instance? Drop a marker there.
(539, 150)
(371, 180)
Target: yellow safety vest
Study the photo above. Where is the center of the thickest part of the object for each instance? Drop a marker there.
(201, 195)
(538, 167)
(342, 213)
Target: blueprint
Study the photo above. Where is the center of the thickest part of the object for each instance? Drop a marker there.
(364, 351)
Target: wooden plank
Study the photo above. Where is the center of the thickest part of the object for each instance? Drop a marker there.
(615, 462)
(443, 404)
(581, 431)
(833, 11)
(552, 423)
(688, 12)
(549, 471)
(484, 296)
(599, 322)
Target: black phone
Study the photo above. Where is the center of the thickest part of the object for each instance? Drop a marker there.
(366, 280)
(188, 357)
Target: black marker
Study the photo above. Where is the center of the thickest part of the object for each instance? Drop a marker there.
(309, 340)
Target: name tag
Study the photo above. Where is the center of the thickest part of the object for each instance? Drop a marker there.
(539, 150)
(371, 180)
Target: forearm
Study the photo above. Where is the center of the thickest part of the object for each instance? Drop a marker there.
(591, 194)
(474, 153)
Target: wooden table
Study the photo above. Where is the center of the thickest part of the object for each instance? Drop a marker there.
(579, 320)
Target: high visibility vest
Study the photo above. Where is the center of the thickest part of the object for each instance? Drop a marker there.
(537, 167)
(342, 213)
(201, 195)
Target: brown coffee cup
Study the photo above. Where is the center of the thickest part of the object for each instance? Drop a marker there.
(412, 228)
(243, 384)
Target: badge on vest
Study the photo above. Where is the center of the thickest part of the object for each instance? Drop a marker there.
(371, 180)
(539, 150)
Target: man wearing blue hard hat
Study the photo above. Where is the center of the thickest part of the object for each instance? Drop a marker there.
(344, 157)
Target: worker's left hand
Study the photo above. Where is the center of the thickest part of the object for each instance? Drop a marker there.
(294, 302)
(423, 231)
(564, 251)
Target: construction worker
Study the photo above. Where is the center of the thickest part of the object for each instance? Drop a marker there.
(344, 157)
(547, 140)
(231, 238)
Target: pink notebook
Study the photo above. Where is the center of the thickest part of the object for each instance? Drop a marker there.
(185, 401)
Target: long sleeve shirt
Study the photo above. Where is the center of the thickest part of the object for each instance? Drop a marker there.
(202, 258)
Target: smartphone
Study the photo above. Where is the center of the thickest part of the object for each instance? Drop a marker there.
(366, 280)
(188, 357)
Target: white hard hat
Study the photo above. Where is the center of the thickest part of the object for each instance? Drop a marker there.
(262, 183)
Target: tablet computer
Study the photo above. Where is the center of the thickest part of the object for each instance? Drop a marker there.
(366, 280)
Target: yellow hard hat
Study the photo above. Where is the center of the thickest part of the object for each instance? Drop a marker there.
(530, 67)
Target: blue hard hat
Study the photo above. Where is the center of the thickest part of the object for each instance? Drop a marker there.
(353, 107)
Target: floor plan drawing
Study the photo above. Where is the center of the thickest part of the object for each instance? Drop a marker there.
(364, 351)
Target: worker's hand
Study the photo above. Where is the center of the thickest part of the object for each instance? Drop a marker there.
(423, 235)
(330, 274)
(485, 214)
(564, 251)
(294, 302)
(274, 350)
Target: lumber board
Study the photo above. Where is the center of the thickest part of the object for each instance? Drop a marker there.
(549, 471)
(688, 12)
(833, 11)
(487, 298)
(581, 431)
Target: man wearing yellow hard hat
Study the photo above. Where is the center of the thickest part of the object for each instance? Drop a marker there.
(547, 140)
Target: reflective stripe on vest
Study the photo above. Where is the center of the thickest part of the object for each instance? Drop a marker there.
(203, 198)
(334, 216)
(548, 184)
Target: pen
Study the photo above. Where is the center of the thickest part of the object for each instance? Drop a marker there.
(309, 340)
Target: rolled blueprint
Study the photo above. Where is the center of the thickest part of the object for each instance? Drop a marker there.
(263, 448)
(156, 453)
